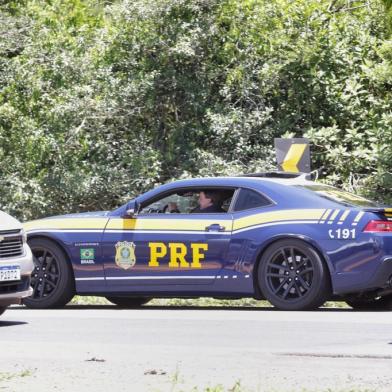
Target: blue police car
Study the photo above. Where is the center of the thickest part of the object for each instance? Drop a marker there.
(284, 238)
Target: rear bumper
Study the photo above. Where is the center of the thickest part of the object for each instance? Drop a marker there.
(383, 276)
(381, 279)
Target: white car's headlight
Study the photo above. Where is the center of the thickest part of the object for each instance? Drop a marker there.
(24, 235)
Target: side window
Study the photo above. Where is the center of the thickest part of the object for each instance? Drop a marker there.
(197, 200)
(174, 203)
(248, 199)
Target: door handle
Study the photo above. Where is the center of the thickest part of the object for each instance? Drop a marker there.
(215, 227)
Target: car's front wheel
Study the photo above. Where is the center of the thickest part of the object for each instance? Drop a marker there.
(128, 302)
(292, 276)
(52, 278)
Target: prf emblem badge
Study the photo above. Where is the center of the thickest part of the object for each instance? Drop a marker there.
(125, 254)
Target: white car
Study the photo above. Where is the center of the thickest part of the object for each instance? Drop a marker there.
(16, 262)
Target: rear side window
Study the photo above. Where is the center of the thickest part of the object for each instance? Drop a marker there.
(248, 199)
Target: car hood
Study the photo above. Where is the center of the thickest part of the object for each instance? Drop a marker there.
(85, 220)
(8, 222)
(80, 215)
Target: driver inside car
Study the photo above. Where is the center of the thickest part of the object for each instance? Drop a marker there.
(209, 202)
(171, 208)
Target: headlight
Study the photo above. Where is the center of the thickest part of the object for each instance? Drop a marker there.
(24, 235)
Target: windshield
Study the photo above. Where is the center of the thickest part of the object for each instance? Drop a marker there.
(339, 196)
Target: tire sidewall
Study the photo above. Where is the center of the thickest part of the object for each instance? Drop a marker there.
(65, 289)
(319, 291)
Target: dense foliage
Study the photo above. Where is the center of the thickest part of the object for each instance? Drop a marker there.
(100, 100)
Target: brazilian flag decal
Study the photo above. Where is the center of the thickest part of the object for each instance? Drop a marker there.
(87, 254)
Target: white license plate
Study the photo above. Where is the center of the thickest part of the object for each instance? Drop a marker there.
(9, 273)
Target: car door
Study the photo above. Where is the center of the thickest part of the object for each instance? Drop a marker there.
(170, 250)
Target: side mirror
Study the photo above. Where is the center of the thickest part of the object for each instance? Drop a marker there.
(132, 210)
(130, 213)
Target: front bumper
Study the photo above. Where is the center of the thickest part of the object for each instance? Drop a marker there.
(25, 261)
(13, 292)
(14, 298)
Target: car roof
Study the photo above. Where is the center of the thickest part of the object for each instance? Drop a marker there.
(238, 181)
(287, 192)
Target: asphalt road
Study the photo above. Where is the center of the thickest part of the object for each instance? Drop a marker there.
(178, 349)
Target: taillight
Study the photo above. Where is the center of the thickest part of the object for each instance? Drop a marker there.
(378, 226)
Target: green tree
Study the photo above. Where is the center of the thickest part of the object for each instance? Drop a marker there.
(100, 100)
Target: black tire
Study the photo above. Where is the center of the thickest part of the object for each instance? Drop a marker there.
(128, 302)
(369, 304)
(52, 280)
(292, 276)
(2, 309)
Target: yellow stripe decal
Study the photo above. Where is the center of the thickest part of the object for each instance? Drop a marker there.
(277, 216)
(166, 224)
(66, 223)
(325, 215)
(146, 223)
(357, 218)
(344, 216)
(333, 216)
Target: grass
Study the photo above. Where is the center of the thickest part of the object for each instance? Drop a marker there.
(176, 379)
(10, 376)
(89, 300)
(237, 386)
(197, 302)
(204, 301)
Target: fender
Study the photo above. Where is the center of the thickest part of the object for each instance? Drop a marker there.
(54, 239)
(278, 237)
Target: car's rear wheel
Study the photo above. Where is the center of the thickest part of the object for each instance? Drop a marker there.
(383, 303)
(52, 278)
(128, 302)
(292, 276)
(2, 309)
